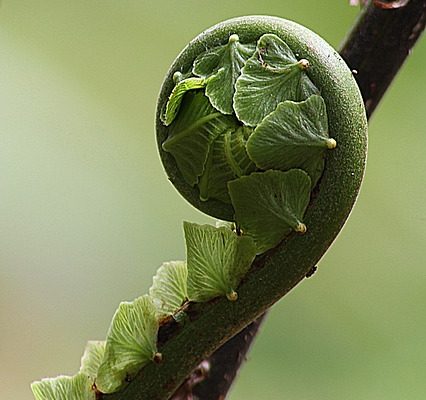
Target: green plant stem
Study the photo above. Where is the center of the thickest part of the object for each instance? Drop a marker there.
(224, 363)
(274, 273)
(213, 324)
(382, 36)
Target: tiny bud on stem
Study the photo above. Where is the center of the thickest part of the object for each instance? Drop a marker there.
(233, 38)
(158, 358)
(331, 143)
(177, 77)
(303, 63)
(233, 296)
(301, 228)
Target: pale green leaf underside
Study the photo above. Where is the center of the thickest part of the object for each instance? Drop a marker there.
(223, 64)
(92, 358)
(268, 205)
(295, 135)
(217, 260)
(176, 97)
(227, 160)
(225, 224)
(196, 126)
(131, 343)
(269, 77)
(77, 387)
(168, 290)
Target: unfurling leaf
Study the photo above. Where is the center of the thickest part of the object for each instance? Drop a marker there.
(217, 259)
(196, 126)
(176, 97)
(270, 76)
(227, 160)
(168, 290)
(269, 205)
(130, 344)
(92, 358)
(295, 135)
(77, 387)
(223, 64)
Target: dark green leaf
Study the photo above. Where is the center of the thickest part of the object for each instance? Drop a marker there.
(271, 75)
(223, 64)
(227, 160)
(191, 134)
(295, 135)
(268, 205)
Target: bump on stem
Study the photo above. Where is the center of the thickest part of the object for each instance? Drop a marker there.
(331, 143)
(232, 296)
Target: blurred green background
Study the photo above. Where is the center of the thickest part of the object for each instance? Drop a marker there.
(87, 214)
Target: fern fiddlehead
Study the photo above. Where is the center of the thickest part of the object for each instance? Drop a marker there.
(248, 120)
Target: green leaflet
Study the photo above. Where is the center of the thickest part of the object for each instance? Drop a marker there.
(196, 126)
(295, 135)
(224, 64)
(130, 344)
(270, 76)
(227, 160)
(176, 97)
(92, 358)
(268, 205)
(269, 91)
(77, 387)
(225, 224)
(168, 290)
(217, 260)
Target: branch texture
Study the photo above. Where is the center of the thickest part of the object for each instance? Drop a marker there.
(379, 44)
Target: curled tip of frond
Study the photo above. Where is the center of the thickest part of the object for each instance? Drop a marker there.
(232, 296)
(301, 228)
(331, 143)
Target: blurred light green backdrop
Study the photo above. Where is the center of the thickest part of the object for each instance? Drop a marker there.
(87, 214)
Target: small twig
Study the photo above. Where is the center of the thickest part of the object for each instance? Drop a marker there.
(379, 44)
